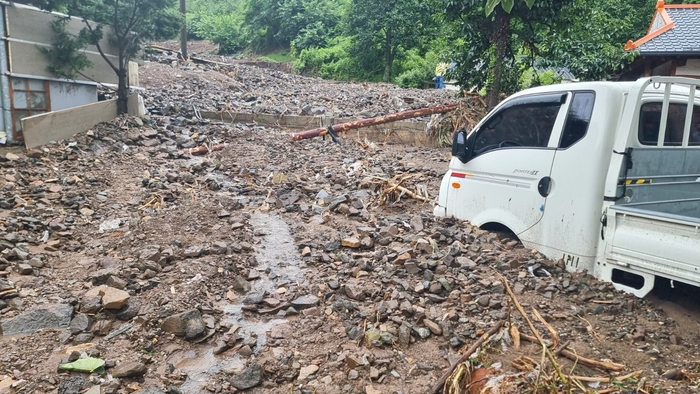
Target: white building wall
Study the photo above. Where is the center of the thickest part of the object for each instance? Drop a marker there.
(68, 95)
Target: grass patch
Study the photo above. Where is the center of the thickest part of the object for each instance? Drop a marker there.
(281, 57)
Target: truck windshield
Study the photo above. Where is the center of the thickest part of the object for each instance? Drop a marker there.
(526, 125)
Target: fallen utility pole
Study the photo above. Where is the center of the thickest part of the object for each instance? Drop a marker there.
(321, 131)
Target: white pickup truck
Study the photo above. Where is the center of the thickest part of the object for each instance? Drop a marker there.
(605, 175)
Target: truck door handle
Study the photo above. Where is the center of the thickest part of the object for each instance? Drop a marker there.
(543, 186)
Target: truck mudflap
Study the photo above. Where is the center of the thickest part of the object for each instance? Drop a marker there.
(642, 245)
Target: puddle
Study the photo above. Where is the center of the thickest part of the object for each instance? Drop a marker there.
(279, 264)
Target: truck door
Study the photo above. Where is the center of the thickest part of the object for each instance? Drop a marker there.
(507, 178)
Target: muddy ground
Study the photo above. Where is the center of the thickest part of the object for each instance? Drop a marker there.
(274, 266)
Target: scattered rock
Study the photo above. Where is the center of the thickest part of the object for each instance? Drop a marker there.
(47, 316)
(307, 371)
(129, 369)
(188, 324)
(248, 378)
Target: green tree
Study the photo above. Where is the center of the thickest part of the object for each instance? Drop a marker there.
(498, 40)
(593, 47)
(388, 27)
(221, 22)
(279, 23)
(131, 22)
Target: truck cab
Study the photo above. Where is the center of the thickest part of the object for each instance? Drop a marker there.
(552, 163)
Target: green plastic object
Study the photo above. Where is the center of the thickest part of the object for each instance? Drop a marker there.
(89, 365)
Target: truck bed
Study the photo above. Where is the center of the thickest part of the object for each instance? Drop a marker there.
(655, 239)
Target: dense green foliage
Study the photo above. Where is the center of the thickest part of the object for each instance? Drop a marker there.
(499, 46)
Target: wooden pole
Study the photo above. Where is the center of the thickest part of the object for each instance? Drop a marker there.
(183, 30)
(373, 121)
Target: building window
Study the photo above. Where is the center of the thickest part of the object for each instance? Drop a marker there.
(29, 97)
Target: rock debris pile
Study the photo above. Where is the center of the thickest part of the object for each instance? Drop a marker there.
(129, 266)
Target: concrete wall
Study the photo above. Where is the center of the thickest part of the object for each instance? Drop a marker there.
(691, 68)
(29, 28)
(59, 125)
(68, 95)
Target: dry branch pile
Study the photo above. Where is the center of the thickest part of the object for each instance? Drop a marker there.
(472, 374)
(441, 126)
(392, 190)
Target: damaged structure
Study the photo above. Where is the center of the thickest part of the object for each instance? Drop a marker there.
(27, 87)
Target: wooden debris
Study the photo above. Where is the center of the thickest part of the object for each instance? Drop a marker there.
(343, 127)
(539, 339)
(441, 127)
(391, 190)
(437, 387)
(203, 150)
(610, 366)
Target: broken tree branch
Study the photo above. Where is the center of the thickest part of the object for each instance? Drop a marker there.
(520, 309)
(610, 366)
(440, 383)
(607, 379)
(343, 127)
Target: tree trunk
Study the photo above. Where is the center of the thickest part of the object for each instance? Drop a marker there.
(501, 37)
(123, 91)
(388, 57)
(183, 31)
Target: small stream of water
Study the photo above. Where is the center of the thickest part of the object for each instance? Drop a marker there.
(277, 255)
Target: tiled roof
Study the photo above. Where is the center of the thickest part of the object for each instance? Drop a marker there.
(675, 29)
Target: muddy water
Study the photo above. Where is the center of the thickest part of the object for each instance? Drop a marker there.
(279, 264)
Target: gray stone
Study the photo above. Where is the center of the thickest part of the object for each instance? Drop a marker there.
(72, 385)
(129, 311)
(417, 224)
(306, 301)
(307, 371)
(432, 326)
(83, 338)
(36, 262)
(189, 324)
(240, 285)
(194, 251)
(354, 292)
(129, 369)
(483, 300)
(245, 351)
(404, 335)
(100, 277)
(80, 323)
(280, 331)
(116, 282)
(149, 390)
(412, 268)
(423, 332)
(91, 304)
(48, 316)
(254, 298)
(248, 378)
(24, 269)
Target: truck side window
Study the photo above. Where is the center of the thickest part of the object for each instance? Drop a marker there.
(578, 118)
(650, 122)
(525, 125)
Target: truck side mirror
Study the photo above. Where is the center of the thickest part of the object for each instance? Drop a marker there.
(460, 149)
